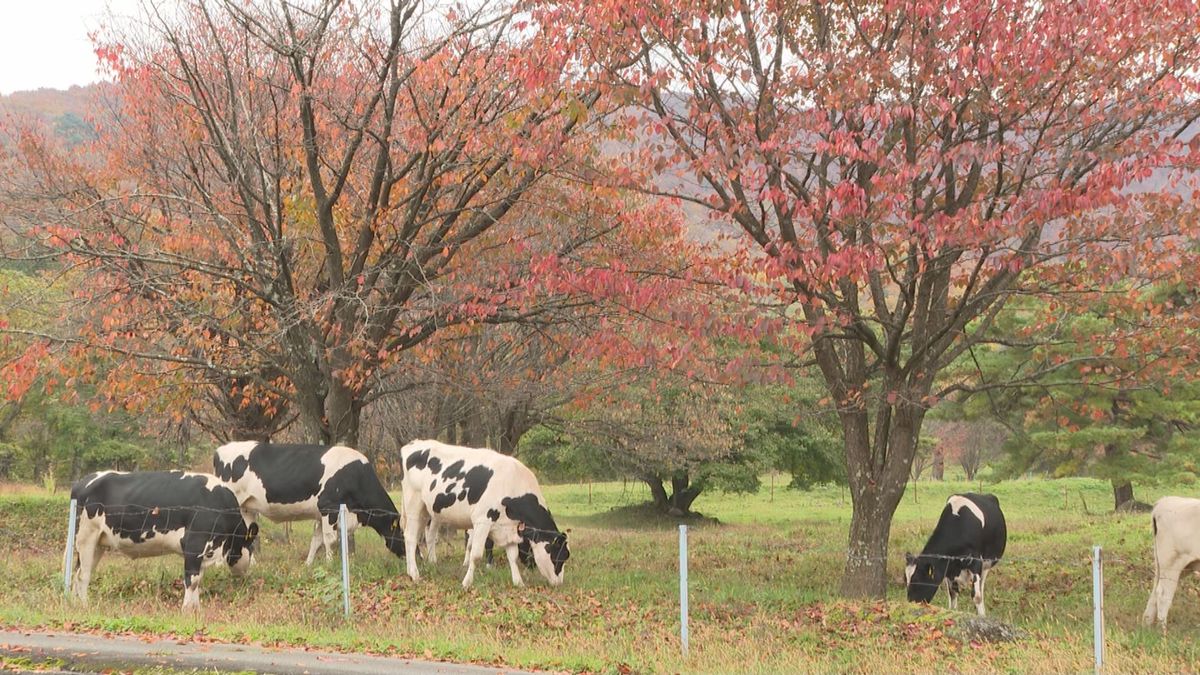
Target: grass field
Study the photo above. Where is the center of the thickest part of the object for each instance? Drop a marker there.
(763, 582)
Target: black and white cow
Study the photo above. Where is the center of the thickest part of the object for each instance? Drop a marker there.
(1176, 525)
(153, 513)
(968, 541)
(308, 482)
(490, 494)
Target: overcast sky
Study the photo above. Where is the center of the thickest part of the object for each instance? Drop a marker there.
(44, 43)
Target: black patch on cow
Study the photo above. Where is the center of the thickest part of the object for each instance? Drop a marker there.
(233, 471)
(493, 515)
(462, 495)
(450, 487)
(417, 460)
(454, 471)
(435, 465)
(476, 482)
(443, 501)
(432, 484)
(289, 473)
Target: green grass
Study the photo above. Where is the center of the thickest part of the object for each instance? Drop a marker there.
(764, 574)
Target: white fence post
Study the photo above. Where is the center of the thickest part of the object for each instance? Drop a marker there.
(683, 590)
(345, 560)
(69, 555)
(1098, 608)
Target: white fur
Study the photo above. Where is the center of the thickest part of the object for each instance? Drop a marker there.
(958, 502)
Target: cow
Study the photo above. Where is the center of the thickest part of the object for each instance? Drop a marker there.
(490, 494)
(1175, 522)
(151, 513)
(307, 482)
(968, 541)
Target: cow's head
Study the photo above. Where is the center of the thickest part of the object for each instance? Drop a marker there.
(393, 537)
(239, 548)
(547, 546)
(922, 576)
(548, 549)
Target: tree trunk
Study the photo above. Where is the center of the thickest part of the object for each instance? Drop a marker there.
(1122, 492)
(513, 425)
(657, 491)
(939, 463)
(865, 575)
(682, 495)
(877, 470)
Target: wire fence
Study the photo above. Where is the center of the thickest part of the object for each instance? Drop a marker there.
(199, 530)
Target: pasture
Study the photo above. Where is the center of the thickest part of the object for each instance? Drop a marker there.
(763, 589)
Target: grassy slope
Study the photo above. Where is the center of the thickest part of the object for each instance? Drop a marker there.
(762, 592)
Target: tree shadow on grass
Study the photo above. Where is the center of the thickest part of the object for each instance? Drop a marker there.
(643, 516)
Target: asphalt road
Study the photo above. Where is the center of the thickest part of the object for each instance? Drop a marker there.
(83, 652)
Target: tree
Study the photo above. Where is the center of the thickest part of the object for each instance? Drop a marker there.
(1126, 414)
(900, 170)
(292, 198)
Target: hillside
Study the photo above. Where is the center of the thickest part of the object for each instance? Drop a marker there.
(65, 111)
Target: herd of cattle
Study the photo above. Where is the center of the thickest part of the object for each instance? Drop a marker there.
(211, 518)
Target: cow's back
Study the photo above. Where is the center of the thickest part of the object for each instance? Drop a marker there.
(1176, 523)
(970, 524)
(431, 466)
(147, 513)
(281, 481)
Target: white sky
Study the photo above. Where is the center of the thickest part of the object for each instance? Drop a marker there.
(44, 43)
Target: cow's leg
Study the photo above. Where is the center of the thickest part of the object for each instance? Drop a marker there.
(479, 534)
(952, 592)
(414, 510)
(316, 543)
(1151, 613)
(511, 551)
(87, 557)
(978, 587)
(329, 534)
(192, 573)
(466, 548)
(431, 539)
(1168, 580)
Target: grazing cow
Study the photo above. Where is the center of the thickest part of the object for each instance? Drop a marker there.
(1176, 525)
(968, 541)
(308, 482)
(492, 495)
(152, 513)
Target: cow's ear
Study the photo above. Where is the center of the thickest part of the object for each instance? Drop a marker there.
(520, 526)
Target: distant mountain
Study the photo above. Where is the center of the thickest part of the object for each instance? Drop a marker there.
(65, 111)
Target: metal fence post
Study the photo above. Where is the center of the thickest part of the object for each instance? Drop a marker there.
(345, 560)
(69, 555)
(683, 590)
(1098, 608)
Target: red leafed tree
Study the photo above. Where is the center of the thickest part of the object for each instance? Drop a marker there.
(291, 196)
(900, 169)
